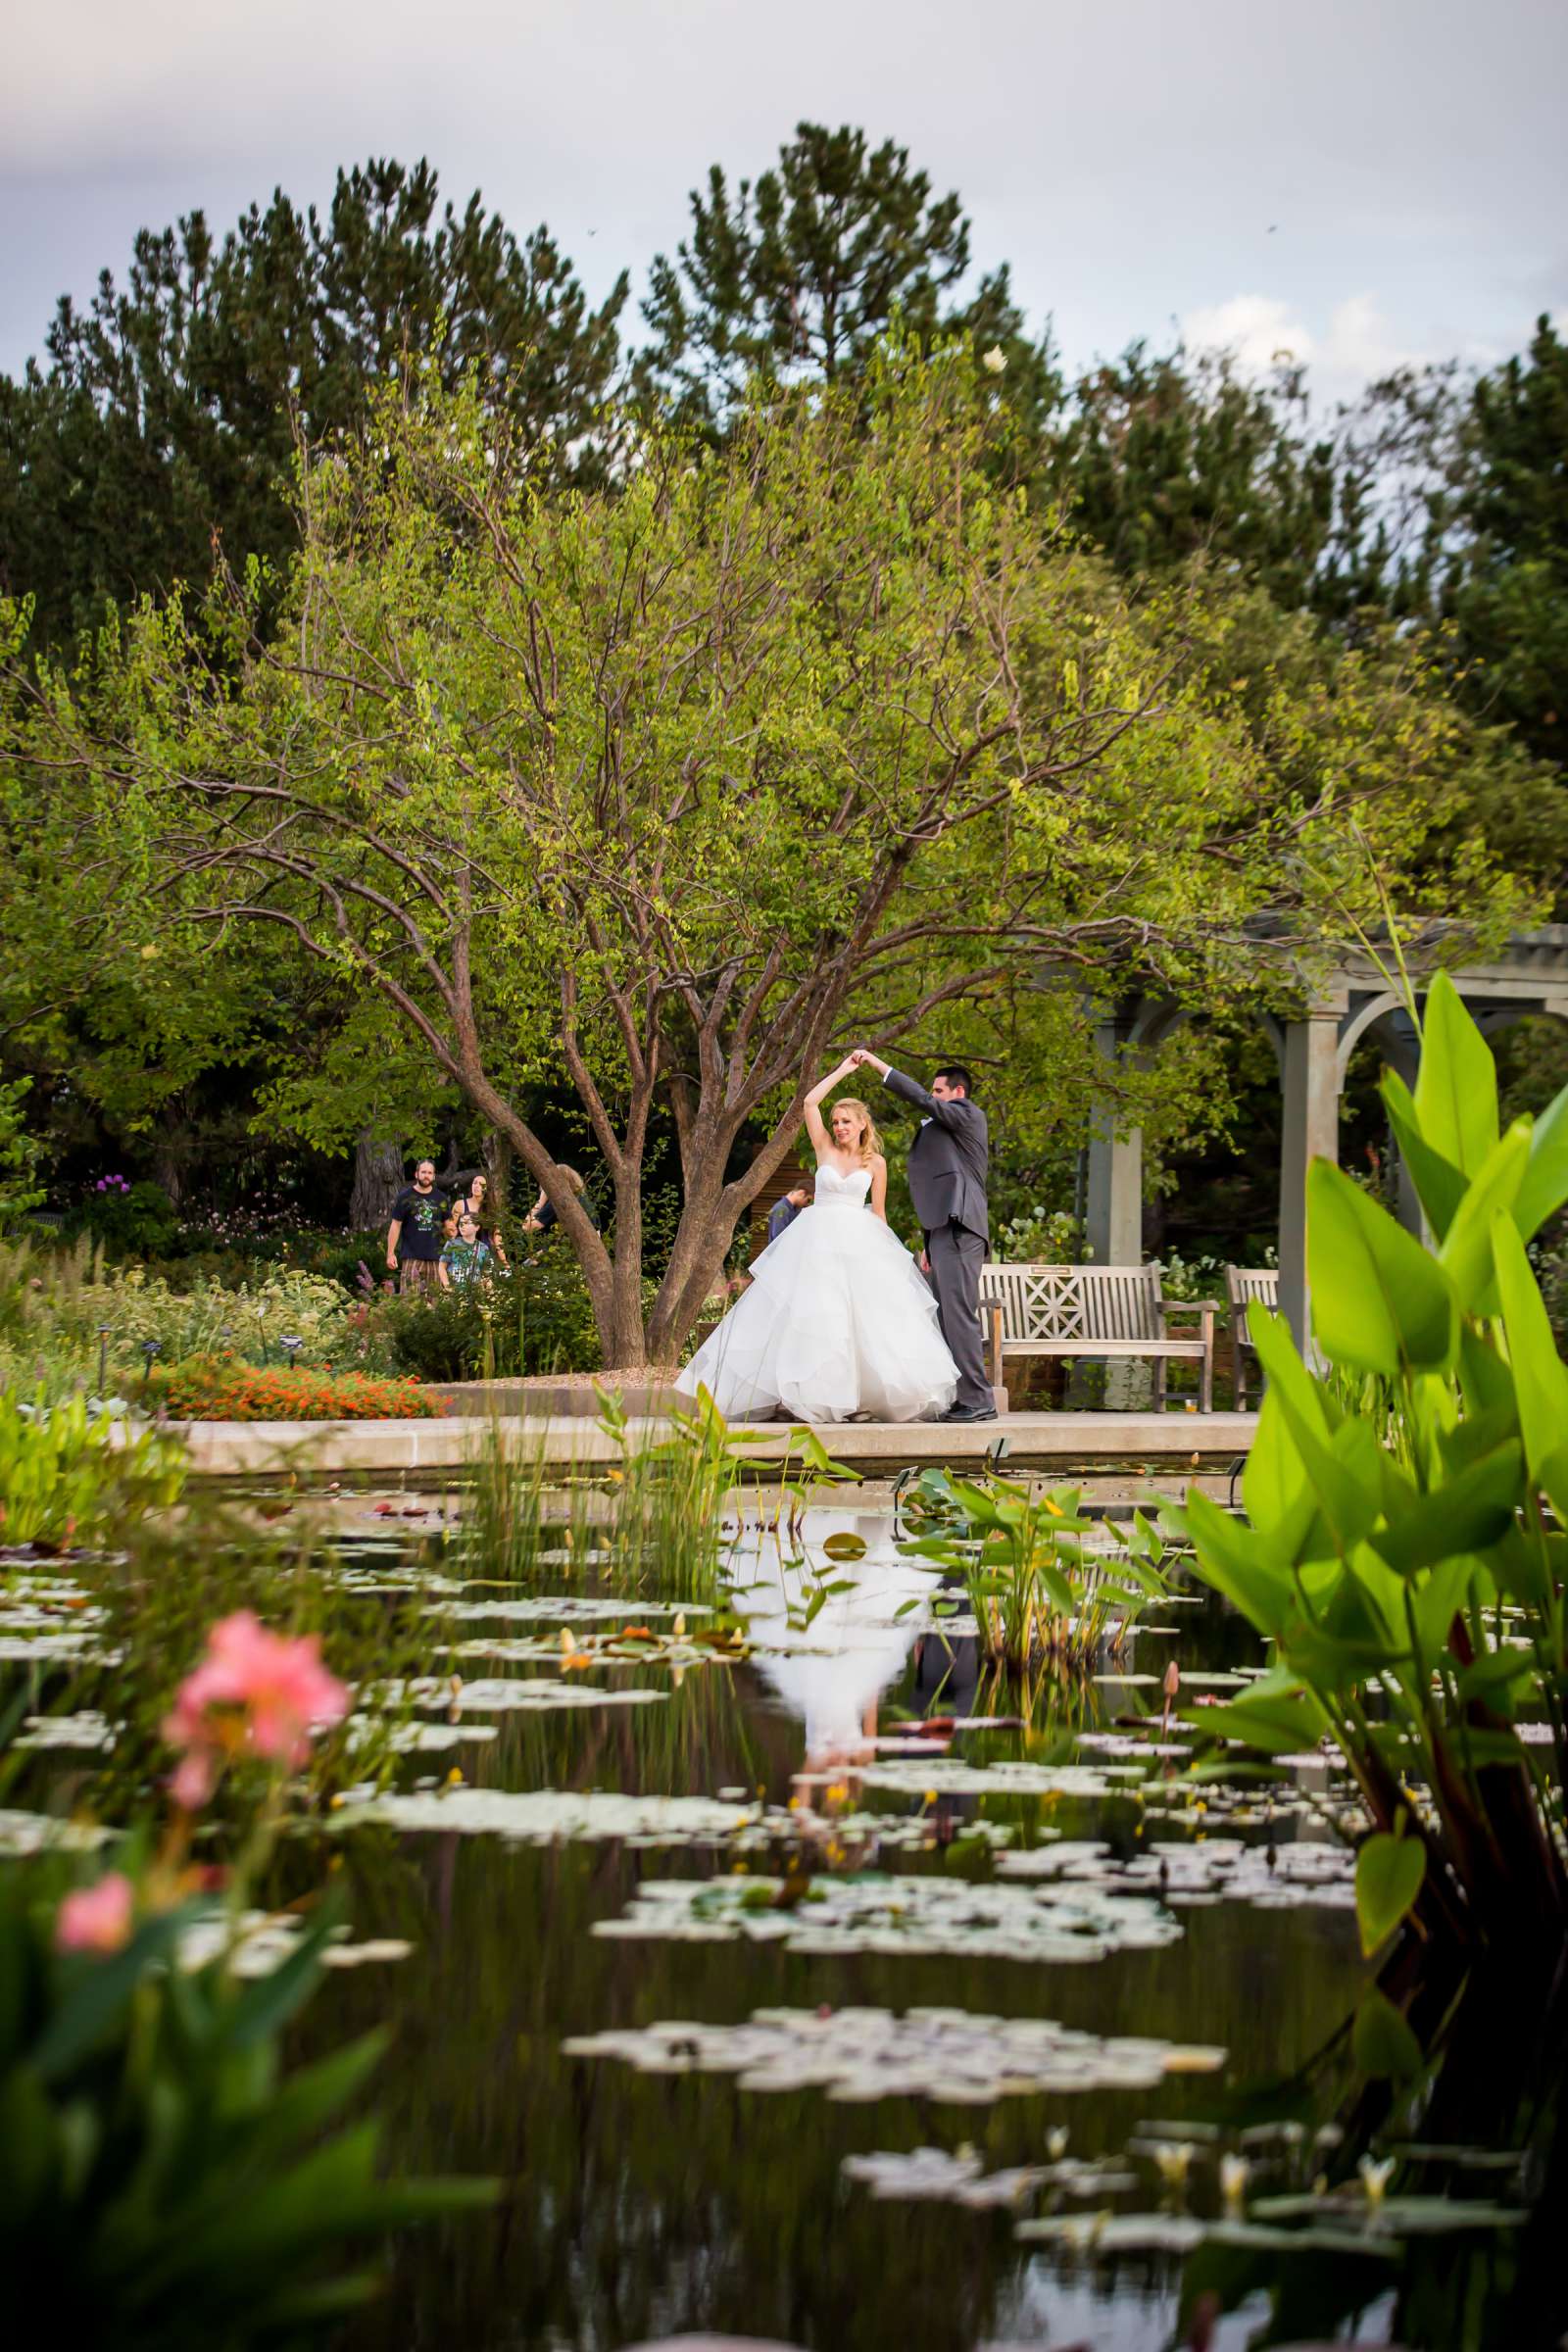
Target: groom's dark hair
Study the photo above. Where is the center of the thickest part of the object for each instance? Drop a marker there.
(956, 1075)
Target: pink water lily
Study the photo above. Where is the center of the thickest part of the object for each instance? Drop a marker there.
(254, 1691)
(97, 1917)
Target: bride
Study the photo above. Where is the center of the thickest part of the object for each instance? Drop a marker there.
(837, 1323)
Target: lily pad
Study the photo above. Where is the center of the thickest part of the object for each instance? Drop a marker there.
(571, 1608)
(548, 1816)
(86, 1731)
(861, 2055)
(955, 1777)
(506, 1694)
(266, 1939)
(1278, 1878)
(24, 1834)
(898, 1914)
(931, 2175)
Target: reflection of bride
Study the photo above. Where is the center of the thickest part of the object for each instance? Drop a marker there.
(832, 1672)
(837, 1321)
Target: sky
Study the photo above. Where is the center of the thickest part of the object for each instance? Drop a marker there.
(1359, 182)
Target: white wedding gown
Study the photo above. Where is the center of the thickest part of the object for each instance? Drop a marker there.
(838, 1320)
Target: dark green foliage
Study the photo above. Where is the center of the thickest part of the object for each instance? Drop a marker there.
(1174, 456)
(164, 428)
(139, 1222)
(1507, 593)
(803, 268)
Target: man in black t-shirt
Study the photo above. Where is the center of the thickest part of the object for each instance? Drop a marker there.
(414, 1237)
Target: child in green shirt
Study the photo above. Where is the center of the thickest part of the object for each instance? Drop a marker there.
(467, 1257)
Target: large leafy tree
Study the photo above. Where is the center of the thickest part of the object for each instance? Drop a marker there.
(166, 419)
(679, 787)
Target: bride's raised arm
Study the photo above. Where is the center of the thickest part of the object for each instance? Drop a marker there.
(822, 1141)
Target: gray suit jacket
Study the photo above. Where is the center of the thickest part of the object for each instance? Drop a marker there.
(948, 1159)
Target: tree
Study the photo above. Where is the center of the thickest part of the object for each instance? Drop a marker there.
(169, 416)
(1505, 589)
(803, 272)
(675, 788)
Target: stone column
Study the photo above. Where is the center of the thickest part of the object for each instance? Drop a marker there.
(1311, 1131)
(1115, 1208)
(1114, 1225)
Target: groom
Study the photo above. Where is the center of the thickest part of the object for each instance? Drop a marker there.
(948, 1166)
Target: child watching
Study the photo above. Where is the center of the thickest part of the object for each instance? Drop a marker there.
(466, 1258)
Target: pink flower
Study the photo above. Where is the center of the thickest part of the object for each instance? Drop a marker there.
(278, 1686)
(193, 1780)
(96, 1919)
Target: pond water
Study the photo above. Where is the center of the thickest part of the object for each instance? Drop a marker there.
(707, 2040)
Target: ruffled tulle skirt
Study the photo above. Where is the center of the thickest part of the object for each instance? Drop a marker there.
(838, 1321)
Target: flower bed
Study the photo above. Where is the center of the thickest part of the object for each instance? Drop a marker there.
(209, 1389)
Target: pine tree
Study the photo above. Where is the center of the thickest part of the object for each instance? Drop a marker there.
(165, 425)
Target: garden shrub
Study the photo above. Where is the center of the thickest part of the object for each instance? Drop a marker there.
(535, 1320)
(208, 1387)
(131, 1220)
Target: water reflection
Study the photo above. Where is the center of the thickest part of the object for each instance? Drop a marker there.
(829, 1661)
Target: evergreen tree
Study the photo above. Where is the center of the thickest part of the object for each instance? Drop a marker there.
(801, 271)
(1505, 588)
(166, 423)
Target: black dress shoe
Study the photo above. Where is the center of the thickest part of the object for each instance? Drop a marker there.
(964, 1412)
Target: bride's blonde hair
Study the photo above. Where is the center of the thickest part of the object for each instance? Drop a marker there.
(870, 1143)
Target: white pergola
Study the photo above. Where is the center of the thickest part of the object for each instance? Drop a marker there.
(1313, 1046)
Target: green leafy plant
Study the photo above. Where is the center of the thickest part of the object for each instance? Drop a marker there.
(70, 1476)
(1403, 1542)
(1035, 1594)
(70, 1320)
(18, 1158)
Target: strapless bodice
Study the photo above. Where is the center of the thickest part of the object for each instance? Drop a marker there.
(835, 1190)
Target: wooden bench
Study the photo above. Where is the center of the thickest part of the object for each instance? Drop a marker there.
(1244, 1284)
(1111, 1313)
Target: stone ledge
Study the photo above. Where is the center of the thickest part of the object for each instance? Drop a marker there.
(443, 1453)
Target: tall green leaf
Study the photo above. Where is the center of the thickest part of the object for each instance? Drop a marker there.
(1466, 1252)
(1438, 1184)
(1544, 1187)
(1540, 1377)
(1456, 1086)
(1380, 1301)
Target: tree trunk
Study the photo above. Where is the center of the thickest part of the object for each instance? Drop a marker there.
(496, 1154)
(377, 1180)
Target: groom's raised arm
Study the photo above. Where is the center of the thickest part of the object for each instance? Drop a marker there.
(955, 1113)
(909, 1090)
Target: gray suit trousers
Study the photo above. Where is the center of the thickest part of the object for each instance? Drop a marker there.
(956, 1256)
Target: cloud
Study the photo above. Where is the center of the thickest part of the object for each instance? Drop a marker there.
(1357, 345)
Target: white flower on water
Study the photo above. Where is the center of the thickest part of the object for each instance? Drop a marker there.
(1174, 2161)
